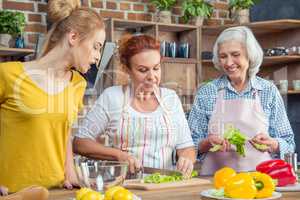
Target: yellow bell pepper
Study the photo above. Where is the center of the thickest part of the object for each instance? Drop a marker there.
(241, 186)
(222, 175)
(264, 184)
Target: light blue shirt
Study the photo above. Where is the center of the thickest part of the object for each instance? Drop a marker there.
(270, 98)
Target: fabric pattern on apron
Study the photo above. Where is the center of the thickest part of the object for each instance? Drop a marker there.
(148, 138)
(248, 116)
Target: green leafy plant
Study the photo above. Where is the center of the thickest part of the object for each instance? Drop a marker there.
(194, 8)
(241, 4)
(163, 5)
(12, 23)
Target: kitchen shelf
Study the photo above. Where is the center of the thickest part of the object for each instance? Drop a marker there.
(264, 27)
(5, 51)
(179, 60)
(270, 60)
(293, 91)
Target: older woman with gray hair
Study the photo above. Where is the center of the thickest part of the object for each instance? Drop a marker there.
(241, 99)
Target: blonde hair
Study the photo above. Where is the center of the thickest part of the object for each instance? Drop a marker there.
(67, 15)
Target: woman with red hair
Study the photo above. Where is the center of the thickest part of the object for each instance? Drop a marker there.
(145, 123)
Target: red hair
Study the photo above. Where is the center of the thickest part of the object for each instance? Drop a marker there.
(132, 45)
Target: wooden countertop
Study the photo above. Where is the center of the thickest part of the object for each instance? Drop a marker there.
(183, 193)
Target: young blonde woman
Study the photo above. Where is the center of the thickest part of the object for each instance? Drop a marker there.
(40, 99)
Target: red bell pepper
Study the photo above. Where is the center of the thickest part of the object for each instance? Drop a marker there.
(280, 170)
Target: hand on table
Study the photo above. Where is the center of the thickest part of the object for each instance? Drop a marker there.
(3, 191)
(71, 179)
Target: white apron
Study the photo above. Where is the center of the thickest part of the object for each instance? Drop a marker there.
(148, 138)
(246, 115)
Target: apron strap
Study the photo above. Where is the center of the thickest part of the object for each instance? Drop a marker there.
(126, 92)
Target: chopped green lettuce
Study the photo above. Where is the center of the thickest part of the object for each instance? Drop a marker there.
(158, 178)
(217, 193)
(260, 146)
(215, 148)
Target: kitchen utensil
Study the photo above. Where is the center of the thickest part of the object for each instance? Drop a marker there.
(99, 175)
(292, 159)
(164, 48)
(172, 49)
(140, 185)
(151, 170)
(137, 184)
(184, 50)
(296, 84)
(207, 194)
(283, 86)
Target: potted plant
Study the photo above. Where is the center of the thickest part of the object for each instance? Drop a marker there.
(239, 10)
(12, 25)
(164, 9)
(196, 10)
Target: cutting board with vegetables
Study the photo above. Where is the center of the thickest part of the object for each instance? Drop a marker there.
(137, 184)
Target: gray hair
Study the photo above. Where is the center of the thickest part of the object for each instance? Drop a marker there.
(241, 34)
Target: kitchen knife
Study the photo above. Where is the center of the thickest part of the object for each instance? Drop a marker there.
(151, 170)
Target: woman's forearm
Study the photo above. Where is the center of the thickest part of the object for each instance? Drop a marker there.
(93, 149)
(188, 152)
(69, 154)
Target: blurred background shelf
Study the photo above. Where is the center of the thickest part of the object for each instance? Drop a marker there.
(262, 27)
(294, 92)
(270, 60)
(16, 52)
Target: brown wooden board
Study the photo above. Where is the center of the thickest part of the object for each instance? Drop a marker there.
(136, 184)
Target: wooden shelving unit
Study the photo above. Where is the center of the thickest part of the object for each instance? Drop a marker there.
(264, 27)
(269, 61)
(293, 91)
(180, 60)
(16, 52)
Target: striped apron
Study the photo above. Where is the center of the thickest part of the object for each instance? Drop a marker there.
(147, 136)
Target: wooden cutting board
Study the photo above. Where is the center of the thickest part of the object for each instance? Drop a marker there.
(136, 184)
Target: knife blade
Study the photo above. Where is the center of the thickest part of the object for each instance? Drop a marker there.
(168, 172)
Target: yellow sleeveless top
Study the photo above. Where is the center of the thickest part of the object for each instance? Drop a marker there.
(34, 128)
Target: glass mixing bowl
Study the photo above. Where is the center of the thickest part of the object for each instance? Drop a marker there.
(100, 175)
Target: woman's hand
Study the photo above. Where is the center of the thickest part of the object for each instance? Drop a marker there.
(185, 166)
(71, 179)
(3, 191)
(134, 163)
(262, 138)
(214, 139)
